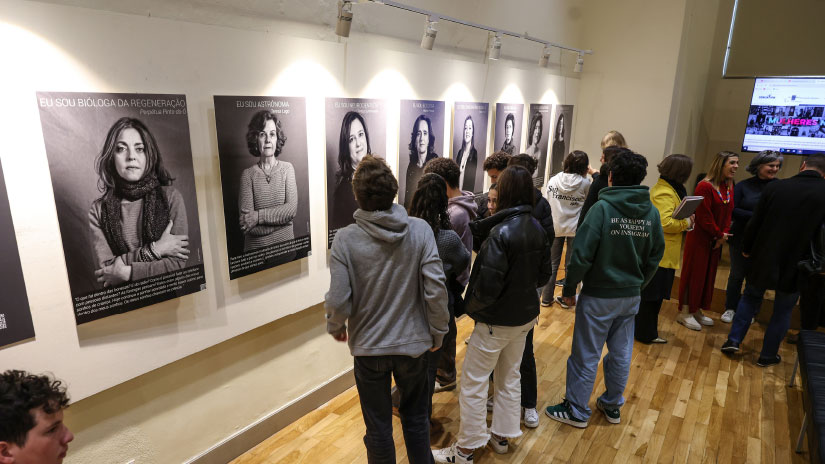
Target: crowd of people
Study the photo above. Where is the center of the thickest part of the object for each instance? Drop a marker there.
(400, 278)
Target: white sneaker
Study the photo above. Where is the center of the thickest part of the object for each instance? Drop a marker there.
(451, 455)
(727, 316)
(702, 319)
(530, 417)
(688, 321)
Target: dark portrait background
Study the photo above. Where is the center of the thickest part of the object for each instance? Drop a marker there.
(479, 112)
(232, 124)
(15, 308)
(410, 111)
(557, 155)
(375, 116)
(546, 112)
(502, 110)
(74, 136)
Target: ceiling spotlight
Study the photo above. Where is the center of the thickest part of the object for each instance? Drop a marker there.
(544, 59)
(493, 46)
(579, 64)
(430, 32)
(344, 18)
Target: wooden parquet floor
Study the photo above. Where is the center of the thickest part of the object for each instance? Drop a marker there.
(686, 402)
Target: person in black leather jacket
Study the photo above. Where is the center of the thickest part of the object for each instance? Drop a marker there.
(541, 207)
(501, 297)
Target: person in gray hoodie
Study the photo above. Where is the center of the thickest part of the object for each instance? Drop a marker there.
(387, 298)
(462, 209)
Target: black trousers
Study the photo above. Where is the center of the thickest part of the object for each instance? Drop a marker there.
(529, 379)
(647, 321)
(811, 299)
(446, 360)
(372, 377)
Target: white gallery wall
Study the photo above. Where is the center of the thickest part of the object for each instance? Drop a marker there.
(128, 395)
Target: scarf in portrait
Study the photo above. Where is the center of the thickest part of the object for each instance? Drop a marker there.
(155, 211)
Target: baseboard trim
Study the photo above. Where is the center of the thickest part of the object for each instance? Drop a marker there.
(253, 434)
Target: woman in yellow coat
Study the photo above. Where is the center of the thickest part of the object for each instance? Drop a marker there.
(666, 195)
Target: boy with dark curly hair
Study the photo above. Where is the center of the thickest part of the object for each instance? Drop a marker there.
(616, 252)
(388, 299)
(31, 419)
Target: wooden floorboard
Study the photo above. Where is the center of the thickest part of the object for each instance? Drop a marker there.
(686, 402)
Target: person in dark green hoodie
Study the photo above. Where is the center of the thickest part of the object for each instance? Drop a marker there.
(615, 254)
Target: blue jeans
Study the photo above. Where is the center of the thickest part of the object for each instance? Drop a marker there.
(780, 320)
(738, 266)
(600, 321)
(372, 378)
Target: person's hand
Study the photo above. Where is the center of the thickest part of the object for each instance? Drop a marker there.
(691, 221)
(590, 170)
(340, 336)
(434, 349)
(114, 274)
(725, 237)
(569, 300)
(249, 219)
(172, 246)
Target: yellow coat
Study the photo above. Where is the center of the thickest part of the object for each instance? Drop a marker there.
(665, 199)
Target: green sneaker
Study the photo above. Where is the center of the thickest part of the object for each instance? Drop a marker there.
(562, 413)
(613, 415)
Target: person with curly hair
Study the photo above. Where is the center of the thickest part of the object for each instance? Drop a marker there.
(615, 255)
(493, 165)
(430, 204)
(422, 150)
(268, 196)
(138, 225)
(31, 419)
(388, 299)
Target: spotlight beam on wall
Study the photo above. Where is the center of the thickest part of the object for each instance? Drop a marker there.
(433, 17)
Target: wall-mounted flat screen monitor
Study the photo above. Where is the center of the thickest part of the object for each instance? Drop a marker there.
(786, 115)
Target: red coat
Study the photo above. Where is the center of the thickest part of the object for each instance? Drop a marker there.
(713, 217)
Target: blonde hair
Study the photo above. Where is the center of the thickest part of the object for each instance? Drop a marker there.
(714, 175)
(613, 139)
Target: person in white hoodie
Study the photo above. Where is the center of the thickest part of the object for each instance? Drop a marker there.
(566, 192)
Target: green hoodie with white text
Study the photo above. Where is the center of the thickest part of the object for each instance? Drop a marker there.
(618, 247)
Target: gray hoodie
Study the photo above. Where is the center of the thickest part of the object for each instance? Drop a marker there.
(462, 210)
(387, 280)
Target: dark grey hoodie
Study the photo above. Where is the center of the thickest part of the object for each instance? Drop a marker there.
(387, 281)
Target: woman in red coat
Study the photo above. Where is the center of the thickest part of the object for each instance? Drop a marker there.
(703, 245)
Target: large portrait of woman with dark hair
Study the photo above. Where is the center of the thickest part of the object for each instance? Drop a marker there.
(470, 144)
(507, 132)
(124, 190)
(356, 121)
(537, 139)
(262, 143)
(423, 120)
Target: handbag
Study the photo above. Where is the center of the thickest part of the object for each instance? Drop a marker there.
(815, 263)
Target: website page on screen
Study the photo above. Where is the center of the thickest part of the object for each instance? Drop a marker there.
(786, 115)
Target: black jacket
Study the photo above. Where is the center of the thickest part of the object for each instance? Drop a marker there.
(514, 260)
(541, 211)
(599, 182)
(779, 234)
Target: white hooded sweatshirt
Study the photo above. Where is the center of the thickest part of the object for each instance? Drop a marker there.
(566, 193)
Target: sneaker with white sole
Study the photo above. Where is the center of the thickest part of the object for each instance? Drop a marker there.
(446, 386)
(499, 445)
(562, 413)
(702, 319)
(613, 415)
(560, 301)
(727, 316)
(530, 417)
(688, 321)
(451, 455)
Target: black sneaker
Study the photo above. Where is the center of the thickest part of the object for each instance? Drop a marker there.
(613, 415)
(560, 301)
(730, 347)
(560, 283)
(765, 362)
(562, 413)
